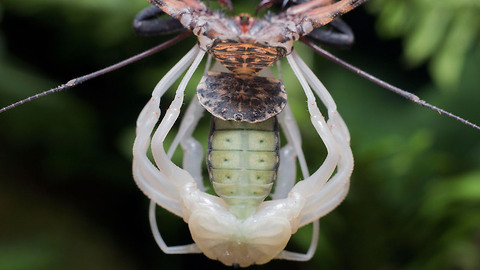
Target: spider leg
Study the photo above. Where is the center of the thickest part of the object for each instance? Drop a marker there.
(149, 179)
(287, 170)
(148, 23)
(327, 100)
(312, 184)
(157, 185)
(335, 190)
(396, 90)
(183, 249)
(174, 174)
(76, 81)
(303, 257)
(332, 194)
(286, 178)
(192, 149)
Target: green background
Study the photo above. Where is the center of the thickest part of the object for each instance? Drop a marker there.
(67, 197)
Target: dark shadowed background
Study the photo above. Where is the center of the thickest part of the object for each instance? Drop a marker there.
(67, 197)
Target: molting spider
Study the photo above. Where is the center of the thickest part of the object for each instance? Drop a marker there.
(240, 228)
(287, 91)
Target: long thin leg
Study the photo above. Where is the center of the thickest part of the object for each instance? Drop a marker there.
(149, 179)
(287, 170)
(386, 85)
(335, 122)
(341, 139)
(192, 149)
(331, 194)
(327, 206)
(81, 79)
(291, 131)
(302, 257)
(145, 124)
(327, 100)
(287, 173)
(145, 174)
(183, 249)
(312, 184)
(176, 175)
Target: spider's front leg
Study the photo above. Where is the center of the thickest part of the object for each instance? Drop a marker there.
(323, 196)
(161, 185)
(164, 185)
(151, 181)
(164, 164)
(287, 177)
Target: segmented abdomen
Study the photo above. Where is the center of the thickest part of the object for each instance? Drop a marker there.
(242, 161)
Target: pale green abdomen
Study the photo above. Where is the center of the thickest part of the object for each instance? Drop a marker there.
(242, 161)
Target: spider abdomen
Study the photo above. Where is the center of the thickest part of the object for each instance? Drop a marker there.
(242, 161)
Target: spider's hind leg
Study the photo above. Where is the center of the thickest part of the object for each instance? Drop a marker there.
(286, 178)
(182, 249)
(148, 22)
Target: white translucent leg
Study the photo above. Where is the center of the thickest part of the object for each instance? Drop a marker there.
(174, 174)
(292, 133)
(287, 172)
(336, 189)
(332, 203)
(149, 179)
(183, 249)
(315, 182)
(333, 192)
(152, 181)
(294, 256)
(192, 149)
(322, 92)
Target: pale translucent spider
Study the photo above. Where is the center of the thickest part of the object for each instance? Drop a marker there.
(216, 231)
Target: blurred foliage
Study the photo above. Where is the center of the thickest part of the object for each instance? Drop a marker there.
(440, 32)
(67, 197)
